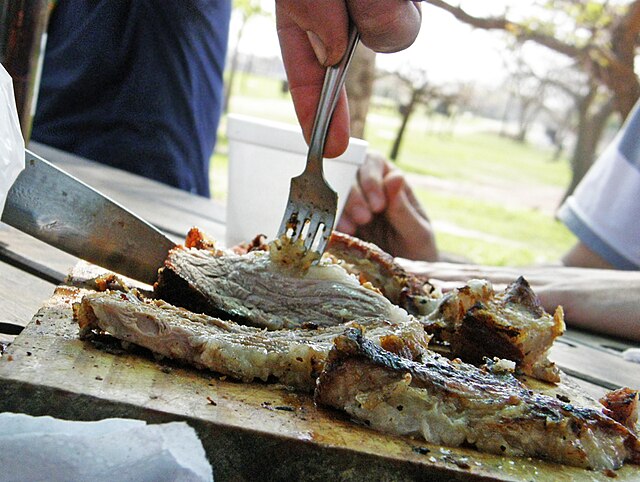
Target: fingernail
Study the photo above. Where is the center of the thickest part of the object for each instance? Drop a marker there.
(318, 47)
(361, 215)
(376, 202)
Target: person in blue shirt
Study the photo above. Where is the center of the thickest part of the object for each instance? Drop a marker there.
(136, 84)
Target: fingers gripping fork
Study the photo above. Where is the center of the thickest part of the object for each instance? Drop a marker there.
(311, 209)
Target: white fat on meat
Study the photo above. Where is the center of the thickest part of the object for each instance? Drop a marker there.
(255, 289)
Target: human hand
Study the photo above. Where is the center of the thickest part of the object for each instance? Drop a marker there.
(313, 35)
(382, 209)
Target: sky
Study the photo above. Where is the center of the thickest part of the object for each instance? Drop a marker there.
(447, 49)
(450, 51)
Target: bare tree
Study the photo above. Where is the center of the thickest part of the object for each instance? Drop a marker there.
(592, 107)
(604, 51)
(527, 86)
(246, 9)
(418, 88)
(561, 123)
(593, 111)
(607, 54)
(359, 85)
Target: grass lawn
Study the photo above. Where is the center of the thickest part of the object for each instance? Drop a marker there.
(490, 233)
(470, 151)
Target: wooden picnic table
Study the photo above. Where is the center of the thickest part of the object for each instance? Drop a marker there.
(52, 372)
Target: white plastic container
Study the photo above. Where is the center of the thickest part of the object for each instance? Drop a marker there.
(263, 157)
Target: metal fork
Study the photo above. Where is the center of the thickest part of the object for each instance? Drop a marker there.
(311, 209)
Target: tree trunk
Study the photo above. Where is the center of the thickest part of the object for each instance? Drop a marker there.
(529, 115)
(232, 70)
(590, 128)
(504, 126)
(406, 111)
(618, 72)
(359, 85)
(523, 124)
(523, 129)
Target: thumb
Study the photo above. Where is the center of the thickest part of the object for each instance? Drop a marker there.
(393, 183)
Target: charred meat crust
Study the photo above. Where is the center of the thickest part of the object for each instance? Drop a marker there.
(495, 413)
(294, 357)
(479, 337)
(623, 406)
(479, 323)
(381, 270)
(199, 240)
(519, 292)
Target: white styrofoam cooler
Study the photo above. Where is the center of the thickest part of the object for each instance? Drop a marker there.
(263, 157)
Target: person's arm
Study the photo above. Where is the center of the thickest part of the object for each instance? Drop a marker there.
(382, 209)
(606, 301)
(602, 300)
(582, 257)
(313, 35)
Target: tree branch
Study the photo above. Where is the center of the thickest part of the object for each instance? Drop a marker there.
(521, 32)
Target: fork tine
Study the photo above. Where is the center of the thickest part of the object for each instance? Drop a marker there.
(311, 209)
(289, 220)
(322, 227)
(311, 235)
(322, 244)
(323, 236)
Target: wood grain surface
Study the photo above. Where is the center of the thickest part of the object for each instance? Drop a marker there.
(247, 429)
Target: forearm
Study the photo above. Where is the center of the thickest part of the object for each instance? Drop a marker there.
(606, 305)
(607, 301)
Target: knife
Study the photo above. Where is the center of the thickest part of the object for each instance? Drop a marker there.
(55, 207)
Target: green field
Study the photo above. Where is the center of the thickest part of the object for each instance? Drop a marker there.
(467, 153)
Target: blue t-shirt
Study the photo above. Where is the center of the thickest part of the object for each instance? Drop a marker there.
(136, 84)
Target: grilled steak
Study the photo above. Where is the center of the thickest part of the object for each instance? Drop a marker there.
(380, 269)
(475, 321)
(251, 289)
(294, 357)
(622, 406)
(479, 323)
(386, 378)
(454, 403)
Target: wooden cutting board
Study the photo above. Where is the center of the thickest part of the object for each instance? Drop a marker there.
(249, 431)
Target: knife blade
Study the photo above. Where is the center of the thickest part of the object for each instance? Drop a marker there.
(55, 207)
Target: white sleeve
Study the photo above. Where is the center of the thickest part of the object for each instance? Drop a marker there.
(604, 210)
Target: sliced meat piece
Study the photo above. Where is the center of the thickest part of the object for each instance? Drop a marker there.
(453, 403)
(623, 407)
(294, 357)
(251, 289)
(479, 323)
(379, 268)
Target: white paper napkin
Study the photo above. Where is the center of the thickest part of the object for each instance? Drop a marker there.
(11, 141)
(49, 449)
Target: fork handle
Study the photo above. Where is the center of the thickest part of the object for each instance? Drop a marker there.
(333, 81)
